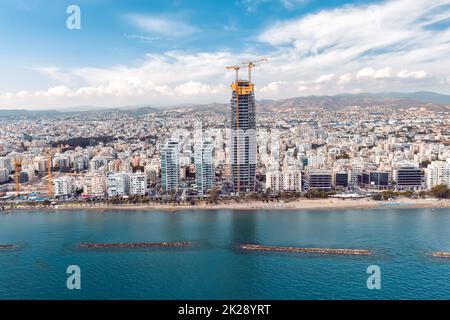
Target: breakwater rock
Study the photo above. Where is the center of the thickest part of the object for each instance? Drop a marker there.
(255, 247)
(136, 245)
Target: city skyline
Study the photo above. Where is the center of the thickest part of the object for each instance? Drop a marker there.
(174, 53)
(224, 150)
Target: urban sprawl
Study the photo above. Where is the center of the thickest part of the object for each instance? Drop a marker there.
(192, 155)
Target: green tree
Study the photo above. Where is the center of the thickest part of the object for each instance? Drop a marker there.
(423, 194)
(344, 156)
(214, 195)
(377, 197)
(425, 163)
(441, 191)
(267, 194)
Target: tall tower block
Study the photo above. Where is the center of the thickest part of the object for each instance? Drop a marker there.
(243, 136)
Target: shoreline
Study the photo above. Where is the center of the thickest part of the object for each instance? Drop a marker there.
(303, 204)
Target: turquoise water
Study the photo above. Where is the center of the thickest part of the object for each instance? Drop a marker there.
(214, 269)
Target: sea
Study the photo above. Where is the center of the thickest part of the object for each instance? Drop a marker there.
(214, 267)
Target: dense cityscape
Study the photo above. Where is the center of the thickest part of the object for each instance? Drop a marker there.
(192, 154)
(224, 159)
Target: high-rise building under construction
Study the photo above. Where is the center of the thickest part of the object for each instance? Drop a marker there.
(243, 135)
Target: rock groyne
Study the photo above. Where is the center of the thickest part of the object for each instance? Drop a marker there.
(355, 252)
(136, 245)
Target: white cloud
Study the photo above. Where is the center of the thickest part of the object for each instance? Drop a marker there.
(252, 5)
(58, 91)
(331, 51)
(405, 74)
(383, 73)
(291, 4)
(272, 87)
(324, 78)
(162, 25)
(302, 88)
(196, 88)
(55, 73)
(366, 72)
(22, 93)
(345, 78)
(377, 74)
(377, 36)
(140, 37)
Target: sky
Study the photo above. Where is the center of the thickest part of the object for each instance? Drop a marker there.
(160, 53)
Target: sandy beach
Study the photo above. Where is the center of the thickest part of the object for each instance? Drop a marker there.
(302, 204)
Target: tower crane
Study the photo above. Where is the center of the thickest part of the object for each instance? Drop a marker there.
(235, 68)
(17, 170)
(49, 153)
(250, 65)
(19, 163)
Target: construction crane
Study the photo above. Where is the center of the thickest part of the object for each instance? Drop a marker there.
(235, 68)
(49, 182)
(17, 170)
(19, 163)
(49, 154)
(250, 65)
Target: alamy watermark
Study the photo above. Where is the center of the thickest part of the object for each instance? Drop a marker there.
(74, 280)
(73, 22)
(374, 280)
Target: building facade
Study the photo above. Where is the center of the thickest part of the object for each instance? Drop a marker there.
(438, 173)
(4, 176)
(64, 186)
(118, 184)
(409, 178)
(320, 180)
(94, 185)
(243, 137)
(204, 167)
(138, 184)
(170, 168)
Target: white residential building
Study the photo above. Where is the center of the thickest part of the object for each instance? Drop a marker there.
(291, 179)
(437, 173)
(6, 163)
(64, 186)
(204, 167)
(94, 185)
(138, 184)
(4, 176)
(273, 181)
(170, 168)
(118, 184)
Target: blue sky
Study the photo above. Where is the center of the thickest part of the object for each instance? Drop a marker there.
(170, 52)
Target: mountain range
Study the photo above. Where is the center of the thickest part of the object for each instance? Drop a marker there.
(424, 99)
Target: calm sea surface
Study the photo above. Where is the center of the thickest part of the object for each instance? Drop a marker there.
(214, 268)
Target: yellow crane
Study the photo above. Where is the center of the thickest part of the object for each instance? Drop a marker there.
(17, 170)
(250, 65)
(18, 165)
(49, 153)
(49, 182)
(235, 68)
